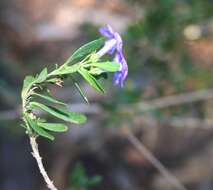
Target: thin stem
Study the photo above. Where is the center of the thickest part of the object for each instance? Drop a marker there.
(38, 158)
(153, 160)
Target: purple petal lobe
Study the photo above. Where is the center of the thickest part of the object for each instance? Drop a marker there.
(114, 44)
(107, 32)
(121, 75)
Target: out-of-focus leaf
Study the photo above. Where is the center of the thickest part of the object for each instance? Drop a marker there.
(80, 180)
(23, 126)
(78, 177)
(93, 181)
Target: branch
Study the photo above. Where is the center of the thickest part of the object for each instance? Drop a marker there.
(181, 122)
(175, 100)
(38, 158)
(153, 160)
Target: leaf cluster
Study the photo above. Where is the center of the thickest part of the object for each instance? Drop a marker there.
(36, 96)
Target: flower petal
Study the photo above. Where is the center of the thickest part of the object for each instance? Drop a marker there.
(107, 32)
(115, 43)
(120, 76)
(119, 41)
(109, 47)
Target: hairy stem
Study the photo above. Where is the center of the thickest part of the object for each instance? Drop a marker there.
(38, 158)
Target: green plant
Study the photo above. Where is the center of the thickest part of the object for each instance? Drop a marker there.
(86, 61)
(79, 179)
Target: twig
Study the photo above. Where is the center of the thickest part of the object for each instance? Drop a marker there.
(153, 160)
(38, 158)
(180, 122)
(191, 122)
(175, 100)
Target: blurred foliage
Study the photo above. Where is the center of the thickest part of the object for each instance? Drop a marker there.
(79, 179)
(159, 56)
(156, 43)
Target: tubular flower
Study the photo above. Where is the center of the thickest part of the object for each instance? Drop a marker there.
(112, 45)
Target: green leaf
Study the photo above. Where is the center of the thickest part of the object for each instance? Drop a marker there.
(107, 66)
(81, 92)
(94, 181)
(65, 70)
(91, 80)
(38, 129)
(78, 177)
(86, 49)
(23, 126)
(42, 76)
(41, 120)
(96, 71)
(80, 180)
(28, 82)
(56, 127)
(70, 69)
(49, 98)
(61, 113)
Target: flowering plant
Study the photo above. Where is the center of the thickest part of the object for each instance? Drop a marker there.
(86, 61)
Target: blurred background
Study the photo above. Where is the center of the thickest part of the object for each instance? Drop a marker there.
(155, 134)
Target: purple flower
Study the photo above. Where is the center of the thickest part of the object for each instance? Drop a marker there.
(114, 44)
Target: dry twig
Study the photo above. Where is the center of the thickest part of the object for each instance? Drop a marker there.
(154, 161)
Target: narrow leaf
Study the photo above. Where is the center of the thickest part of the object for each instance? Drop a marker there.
(91, 80)
(107, 66)
(56, 127)
(81, 92)
(86, 49)
(49, 98)
(28, 82)
(42, 76)
(23, 126)
(38, 129)
(70, 69)
(96, 71)
(66, 70)
(61, 113)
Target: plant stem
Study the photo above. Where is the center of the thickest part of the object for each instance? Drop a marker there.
(38, 158)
